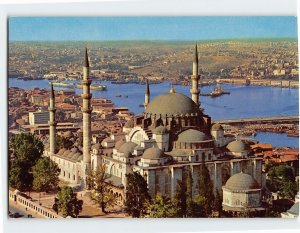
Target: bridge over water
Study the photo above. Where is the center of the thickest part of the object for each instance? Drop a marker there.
(261, 120)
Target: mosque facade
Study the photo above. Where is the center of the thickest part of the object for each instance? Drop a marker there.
(172, 134)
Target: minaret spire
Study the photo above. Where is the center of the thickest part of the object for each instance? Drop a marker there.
(52, 122)
(86, 59)
(195, 79)
(86, 120)
(147, 94)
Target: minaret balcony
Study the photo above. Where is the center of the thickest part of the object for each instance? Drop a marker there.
(52, 109)
(196, 77)
(52, 123)
(87, 110)
(86, 82)
(194, 91)
(86, 96)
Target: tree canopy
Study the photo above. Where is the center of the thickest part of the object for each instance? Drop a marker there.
(137, 195)
(63, 142)
(45, 175)
(163, 207)
(67, 203)
(102, 194)
(281, 179)
(25, 150)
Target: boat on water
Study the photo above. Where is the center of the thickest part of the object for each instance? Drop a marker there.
(217, 91)
(122, 96)
(63, 84)
(96, 87)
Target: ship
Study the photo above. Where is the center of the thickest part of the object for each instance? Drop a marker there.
(96, 87)
(218, 91)
(63, 84)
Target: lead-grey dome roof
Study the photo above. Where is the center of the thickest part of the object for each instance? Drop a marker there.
(192, 135)
(127, 147)
(237, 146)
(153, 153)
(241, 181)
(160, 130)
(172, 104)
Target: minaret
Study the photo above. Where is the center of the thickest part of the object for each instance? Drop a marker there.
(86, 119)
(52, 122)
(172, 90)
(147, 94)
(195, 79)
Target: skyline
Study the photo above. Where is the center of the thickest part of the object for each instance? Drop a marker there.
(184, 28)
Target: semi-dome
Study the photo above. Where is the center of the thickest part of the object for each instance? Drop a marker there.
(127, 147)
(192, 135)
(216, 127)
(160, 130)
(237, 146)
(96, 146)
(106, 140)
(119, 144)
(172, 104)
(153, 153)
(241, 181)
(129, 124)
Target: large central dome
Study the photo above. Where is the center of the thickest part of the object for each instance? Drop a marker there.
(172, 104)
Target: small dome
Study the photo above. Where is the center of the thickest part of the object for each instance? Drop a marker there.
(96, 146)
(160, 130)
(216, 127)
(153, 153)
(66, 152)
(129, 124)
(108, 140)
(61, 151)
(68, 134)
(241, 181)
(192, 135)
(127, 147)
(236, 146)
(119, 144)
(74, 149)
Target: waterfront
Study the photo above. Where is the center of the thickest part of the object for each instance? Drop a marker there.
(243, 102)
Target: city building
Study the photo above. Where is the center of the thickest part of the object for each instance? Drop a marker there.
(39, 117)
(171, 135)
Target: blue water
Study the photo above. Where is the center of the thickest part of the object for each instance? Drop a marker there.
(243, 102)
(277, 140)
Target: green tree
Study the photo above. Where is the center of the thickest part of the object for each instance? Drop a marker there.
(63, 142)
(282, 180)
(162, 207)
(205, 189)
(180, 198)
(26, 150)
(137, 195)
(102, 193)
(217, 203)
(67, 203)
(19, 177)
(45, 175)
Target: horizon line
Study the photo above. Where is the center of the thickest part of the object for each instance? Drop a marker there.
(164, 40)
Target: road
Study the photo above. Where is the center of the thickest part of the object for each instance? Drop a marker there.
(13, 209)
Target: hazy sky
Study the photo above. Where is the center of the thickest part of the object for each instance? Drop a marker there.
(149, 28)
